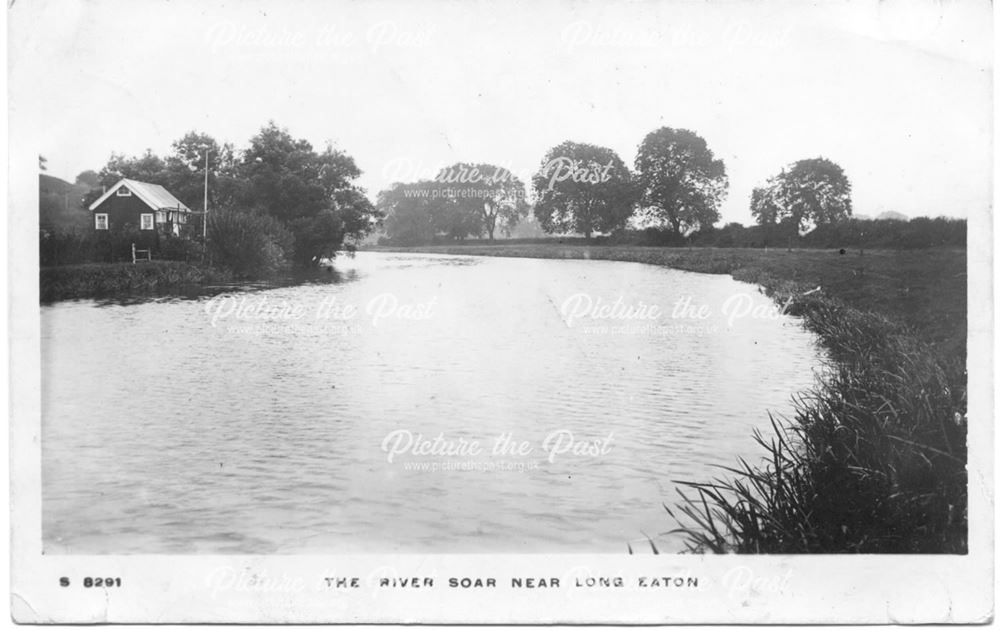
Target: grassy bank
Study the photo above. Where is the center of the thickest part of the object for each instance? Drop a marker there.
(102, 280)
(874, 459)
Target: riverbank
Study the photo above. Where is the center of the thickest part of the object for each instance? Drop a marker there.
(104, 280)
(874, 459)
(921, 289)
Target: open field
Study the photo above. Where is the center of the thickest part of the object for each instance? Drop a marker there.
(874, 459)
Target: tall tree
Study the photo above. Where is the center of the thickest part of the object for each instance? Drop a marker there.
(186, 171)
(147, 167)
(808, 193)
(582, 188)
(314, 194)
(491, 192)
(681, 181)
(412, 216)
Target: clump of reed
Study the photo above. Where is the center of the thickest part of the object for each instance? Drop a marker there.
(872, 462)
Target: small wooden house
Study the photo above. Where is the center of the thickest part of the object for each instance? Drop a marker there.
(145, 206)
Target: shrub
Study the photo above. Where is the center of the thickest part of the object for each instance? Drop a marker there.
(65, 248)
(180, 249)
(247, 244)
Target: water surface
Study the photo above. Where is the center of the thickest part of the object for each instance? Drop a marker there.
(178, 426)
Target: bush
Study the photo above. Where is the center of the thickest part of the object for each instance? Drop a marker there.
(65, 248)
(180, 249)
(247, 244)
(88, 246)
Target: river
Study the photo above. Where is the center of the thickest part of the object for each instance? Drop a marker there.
(420, 403)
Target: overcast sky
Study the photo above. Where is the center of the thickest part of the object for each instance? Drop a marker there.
(900, 97)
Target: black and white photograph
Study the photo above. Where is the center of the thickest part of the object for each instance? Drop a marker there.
(646, 311)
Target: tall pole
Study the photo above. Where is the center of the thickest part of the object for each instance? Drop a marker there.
(204, 221)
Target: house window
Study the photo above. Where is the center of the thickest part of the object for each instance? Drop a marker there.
(101, 221)
(124, 192)
(146, 221)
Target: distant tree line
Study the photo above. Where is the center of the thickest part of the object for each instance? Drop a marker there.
(463, 200)
(916, 233)
(676, 187)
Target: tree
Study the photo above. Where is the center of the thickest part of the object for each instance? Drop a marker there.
(185, 171)
(89, 178)
(359, 215)
(809, 193)
(409, 214)
(147, 167)
(43, 163)
(421, 212)
(288, 179)
(492, 193)
(681, 182)
(312, 193)
(582, 188)
(189, 152)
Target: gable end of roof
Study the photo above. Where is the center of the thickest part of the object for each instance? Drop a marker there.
(153, 195)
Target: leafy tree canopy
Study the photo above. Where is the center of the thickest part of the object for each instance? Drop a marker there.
(808, 193)
(582, 188)
(491, 192)
(681, 181)
(89, 178)
(420, 212)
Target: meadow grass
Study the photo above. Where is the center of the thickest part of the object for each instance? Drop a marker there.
(873, 460)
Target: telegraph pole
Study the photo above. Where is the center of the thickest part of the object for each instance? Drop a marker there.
(204, 220)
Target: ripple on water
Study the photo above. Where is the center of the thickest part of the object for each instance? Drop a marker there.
(246, 439)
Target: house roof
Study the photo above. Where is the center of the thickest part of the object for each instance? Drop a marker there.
(153, 195)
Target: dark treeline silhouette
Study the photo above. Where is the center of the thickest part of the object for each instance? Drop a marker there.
(861, 234)
(916, 233)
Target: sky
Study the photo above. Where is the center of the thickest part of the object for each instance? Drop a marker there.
(898, 92)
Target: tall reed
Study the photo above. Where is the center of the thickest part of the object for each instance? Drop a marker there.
(872, 462)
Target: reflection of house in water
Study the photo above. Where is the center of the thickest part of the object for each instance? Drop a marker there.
(144, 206)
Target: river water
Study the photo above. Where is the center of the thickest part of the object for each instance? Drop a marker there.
(419, 403)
